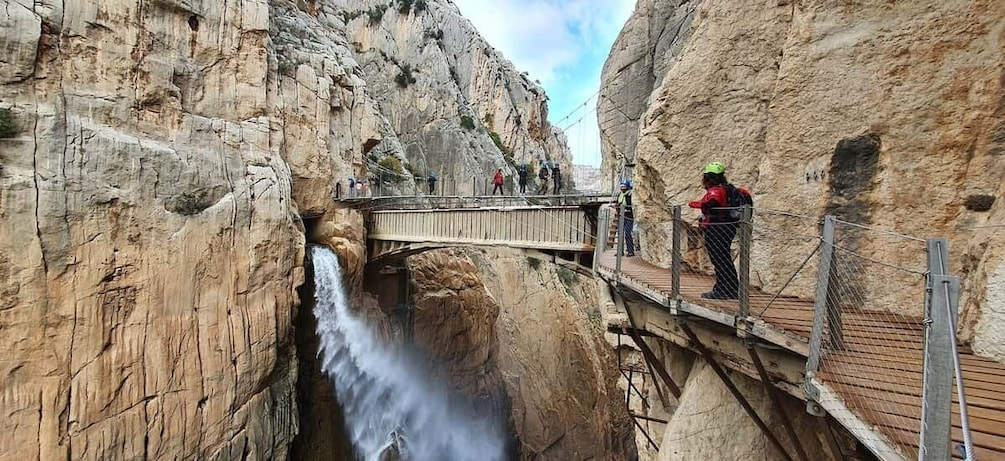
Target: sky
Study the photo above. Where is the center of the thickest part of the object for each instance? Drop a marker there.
(562, 44)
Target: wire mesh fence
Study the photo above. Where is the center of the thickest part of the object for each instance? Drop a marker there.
(873, 293)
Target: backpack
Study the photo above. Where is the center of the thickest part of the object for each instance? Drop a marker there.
(736, 198)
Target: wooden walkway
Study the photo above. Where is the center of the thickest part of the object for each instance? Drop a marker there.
(876, 378)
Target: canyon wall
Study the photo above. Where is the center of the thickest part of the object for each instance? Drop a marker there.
(884, 114)
(156, 160)
(461, 109)
(524, 334)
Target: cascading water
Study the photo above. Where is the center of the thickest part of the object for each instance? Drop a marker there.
(389, 405)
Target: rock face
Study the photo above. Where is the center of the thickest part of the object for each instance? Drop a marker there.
(151, 196)
(150, 245)
(709, 420)
(509, 329)
(885, 114)
(461, 110)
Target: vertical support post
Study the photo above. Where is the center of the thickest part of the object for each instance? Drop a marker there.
(676, 254)
(474, 187)
(820, 300)
(937, 383)
(746, 239)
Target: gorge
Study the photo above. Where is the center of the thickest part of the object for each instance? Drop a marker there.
(174, 236)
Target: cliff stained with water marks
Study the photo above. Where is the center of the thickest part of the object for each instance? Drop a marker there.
(155, 161)
(883, 114)
(888, 115)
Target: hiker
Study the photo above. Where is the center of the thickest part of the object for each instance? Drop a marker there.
(431, 181)
(624, 202)
(556, 178)
(352, 186)
(522, 175)
(719, 226)
(498, 181)
(543, 177)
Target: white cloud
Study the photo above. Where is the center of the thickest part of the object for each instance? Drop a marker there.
(562, 43)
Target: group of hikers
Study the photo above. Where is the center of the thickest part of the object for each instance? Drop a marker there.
(720, 214)
(546, 175)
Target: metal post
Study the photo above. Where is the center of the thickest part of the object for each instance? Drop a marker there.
(676, 254)
(474, 187)
(710, 359)
(820, 301)
(746, 239)
(937, 381)
(619, 232)
(948, 289)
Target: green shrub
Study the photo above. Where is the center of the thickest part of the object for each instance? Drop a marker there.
(467, 122)
(533, 262)
(376, 14)
(567, 276)
(405, 78)
(8, 124)
(413, 170)
(393, 164)
(489, 120)
(498, 142)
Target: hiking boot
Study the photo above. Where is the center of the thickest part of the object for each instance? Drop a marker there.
(717, 295)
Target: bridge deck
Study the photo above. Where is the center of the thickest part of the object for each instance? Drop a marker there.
(883, 382)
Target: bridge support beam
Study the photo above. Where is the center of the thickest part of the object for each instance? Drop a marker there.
(647, 353)
(769, 385)
(707, 354)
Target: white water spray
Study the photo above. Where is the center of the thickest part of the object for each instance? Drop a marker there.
(388, 404)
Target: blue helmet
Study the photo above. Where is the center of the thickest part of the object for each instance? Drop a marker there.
(626, 183)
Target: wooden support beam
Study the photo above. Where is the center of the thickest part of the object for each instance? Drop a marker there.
(647, 353)
(707, 354)
(776, 400)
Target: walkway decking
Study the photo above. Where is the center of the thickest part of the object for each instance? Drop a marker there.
(877, 375)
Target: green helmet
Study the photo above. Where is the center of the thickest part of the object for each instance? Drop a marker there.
(715, 167)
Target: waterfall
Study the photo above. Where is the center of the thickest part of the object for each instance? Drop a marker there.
(390, 406)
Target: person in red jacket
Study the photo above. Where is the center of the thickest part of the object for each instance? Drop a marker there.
(719, 229)
(498, 181)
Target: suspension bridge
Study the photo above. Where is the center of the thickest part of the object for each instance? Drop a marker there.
(858, 322)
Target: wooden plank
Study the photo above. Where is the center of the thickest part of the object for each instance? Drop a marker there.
(989, 422)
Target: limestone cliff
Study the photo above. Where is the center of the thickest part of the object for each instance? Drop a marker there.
(461, 109)
(884, 113)
(155, 161)
(525, 335)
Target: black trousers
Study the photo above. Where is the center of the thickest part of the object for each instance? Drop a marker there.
(432, 185)
(627, 232)
(498, 187)
(523, 187)
(718, 239)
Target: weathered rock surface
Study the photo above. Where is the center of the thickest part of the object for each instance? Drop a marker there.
(151, 242)
(710, 423)
(512, 330)
(885, 114)
(460, 109)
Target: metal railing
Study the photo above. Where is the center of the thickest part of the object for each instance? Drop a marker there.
(876, 311)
